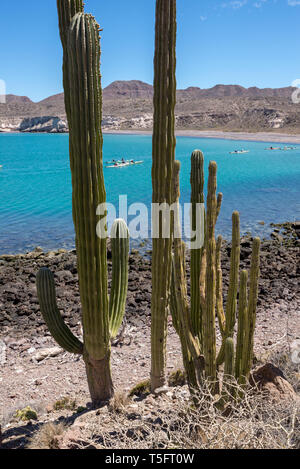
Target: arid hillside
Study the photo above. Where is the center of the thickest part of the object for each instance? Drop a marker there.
(128, 105)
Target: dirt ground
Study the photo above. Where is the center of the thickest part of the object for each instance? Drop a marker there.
(35, 372)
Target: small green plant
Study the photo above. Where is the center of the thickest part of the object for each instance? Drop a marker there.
(177, 378)
(140, 389)
(26, 414)
(80, 409)
(65, 403)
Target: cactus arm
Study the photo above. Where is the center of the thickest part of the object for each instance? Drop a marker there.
(163, 160)
(197, 197)
(55, 323)
(251, 311)
(209, 327)
(219, 203)
(219, 287)
(118, 294)
(233, 285)
(242, 322)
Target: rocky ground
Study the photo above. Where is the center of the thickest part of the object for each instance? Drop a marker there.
(35, 372)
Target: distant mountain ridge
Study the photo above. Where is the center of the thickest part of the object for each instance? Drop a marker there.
(137, 89)
(128, 105)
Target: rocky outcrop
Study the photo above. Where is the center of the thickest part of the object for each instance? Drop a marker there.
(48, 124)
(44, 124)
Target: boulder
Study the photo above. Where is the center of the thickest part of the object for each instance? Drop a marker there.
(271, 381)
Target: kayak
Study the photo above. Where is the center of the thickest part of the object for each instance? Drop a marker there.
(239, 152)
(124, 165)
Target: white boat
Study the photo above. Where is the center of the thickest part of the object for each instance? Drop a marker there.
(238, 152)
(288, 148)
(124, 165)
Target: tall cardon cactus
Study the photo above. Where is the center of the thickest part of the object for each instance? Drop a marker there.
(101, 314)
(195, 321)
(162, 172)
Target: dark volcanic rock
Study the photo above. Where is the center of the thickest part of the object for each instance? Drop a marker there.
(19, 309)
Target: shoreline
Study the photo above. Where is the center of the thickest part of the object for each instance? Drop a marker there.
(209, 134)
(281, 233)
(220, 135)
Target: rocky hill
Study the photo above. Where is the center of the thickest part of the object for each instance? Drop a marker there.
(128, 105)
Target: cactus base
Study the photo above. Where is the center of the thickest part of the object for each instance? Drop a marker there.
(99, 379)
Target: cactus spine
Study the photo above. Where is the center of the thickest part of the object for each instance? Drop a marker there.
(208, 276)
(101, 317)
(162, 170)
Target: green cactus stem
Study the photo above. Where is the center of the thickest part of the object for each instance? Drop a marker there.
(87, 180)
(162, 169)
(101, 317)
(197, 197)
(193, 361)
(55, 323)
(251, 310)
(242, 323)
(229, 358)
(231, 304)
(219, 288)
(209, 327)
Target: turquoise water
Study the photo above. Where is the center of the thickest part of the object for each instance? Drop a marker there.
(35, 184)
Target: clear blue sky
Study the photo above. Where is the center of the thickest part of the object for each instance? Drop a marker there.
(246, 42)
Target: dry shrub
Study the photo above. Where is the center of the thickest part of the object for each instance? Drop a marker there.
(46, 436)
(119, 402)
(251, 423)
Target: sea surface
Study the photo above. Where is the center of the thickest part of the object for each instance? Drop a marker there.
(35, 185)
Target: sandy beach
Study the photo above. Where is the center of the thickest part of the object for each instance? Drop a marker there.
(257, 136)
